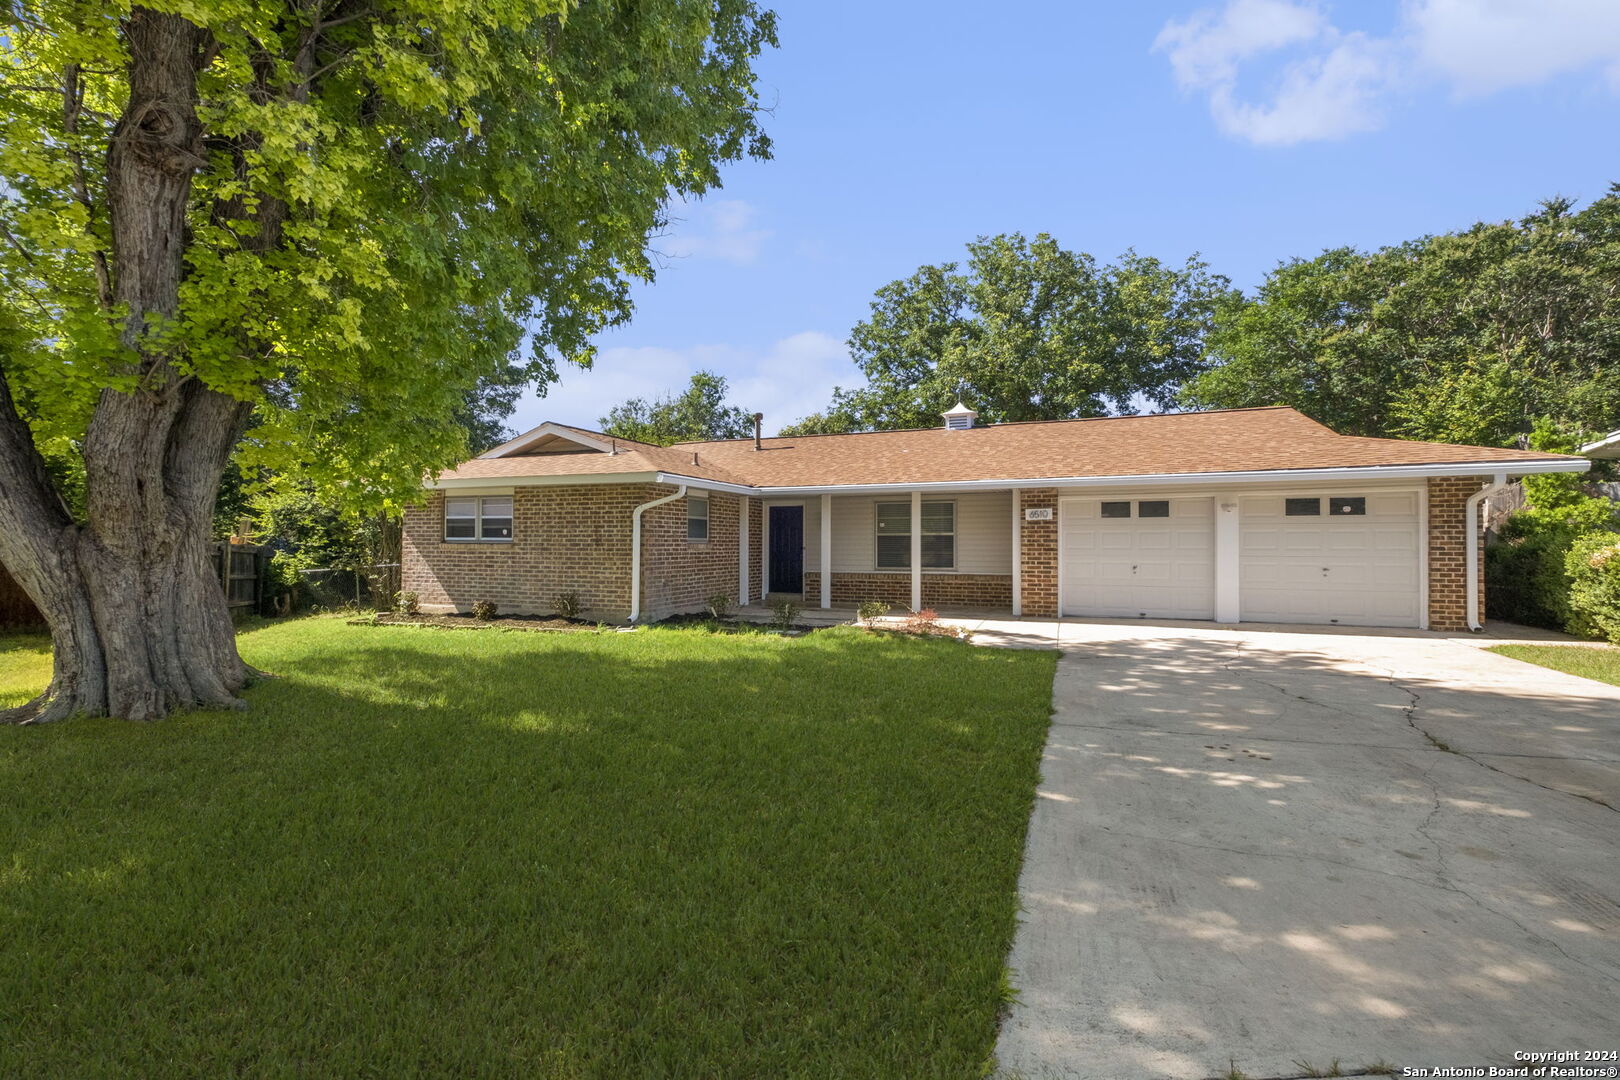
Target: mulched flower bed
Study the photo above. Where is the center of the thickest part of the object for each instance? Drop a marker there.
(546, 623)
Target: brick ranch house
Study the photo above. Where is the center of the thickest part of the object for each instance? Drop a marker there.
(1258, 515)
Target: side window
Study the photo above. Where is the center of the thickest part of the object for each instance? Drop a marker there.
(939, 535)
(486, 517)
(1116, 509)
(1153, 508)
(893, 536)
(495, 518)
(1303, 508)
(461, 519)
(697, 519)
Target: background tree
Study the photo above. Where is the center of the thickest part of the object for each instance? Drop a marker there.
(1027, 330)
(699, 412)
(338, 215)
(1464, 337)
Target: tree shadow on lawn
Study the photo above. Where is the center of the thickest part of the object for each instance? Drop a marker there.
(614, 855)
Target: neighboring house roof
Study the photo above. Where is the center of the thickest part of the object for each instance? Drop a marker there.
(1239, 441)
(542, 452)
(1606, 448)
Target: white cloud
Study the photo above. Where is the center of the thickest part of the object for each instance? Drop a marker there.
(723, 229)
(1332, 83)
(1481, 47)
(785, 381)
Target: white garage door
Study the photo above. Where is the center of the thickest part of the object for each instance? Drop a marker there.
(1138, 558)
(1348, 559)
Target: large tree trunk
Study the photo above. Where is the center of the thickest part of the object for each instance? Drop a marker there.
(138, 621)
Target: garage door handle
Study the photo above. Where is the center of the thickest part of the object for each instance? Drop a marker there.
(1324, 571)
(1133, 569)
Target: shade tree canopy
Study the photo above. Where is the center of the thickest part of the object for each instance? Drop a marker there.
(698, 413)
(341, 217)
(1026, 330)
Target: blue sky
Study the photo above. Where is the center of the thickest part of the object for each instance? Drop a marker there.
(1246, 130)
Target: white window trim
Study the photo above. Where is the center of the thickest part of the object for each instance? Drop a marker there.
(708, 525)
(478, 536)
(953, 534)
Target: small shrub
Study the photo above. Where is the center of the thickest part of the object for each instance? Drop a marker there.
(784, 613)
(720, 605)
(406, 603)
(925, 621)
(1593, 568)
(566, 605)
(484, 610)
(871, 610)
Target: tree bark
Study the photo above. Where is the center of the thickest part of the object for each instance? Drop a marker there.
(138, 621)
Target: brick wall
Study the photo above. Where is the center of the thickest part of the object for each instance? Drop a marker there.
(1038, 542)
(1448, 551)
(575, 539)
(564, 539)
(679, 575)
(950, 590)
(756, 548)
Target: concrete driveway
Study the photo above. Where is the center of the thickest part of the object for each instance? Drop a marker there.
(1273, 851)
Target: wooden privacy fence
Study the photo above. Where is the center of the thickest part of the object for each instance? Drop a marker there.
(241, 574)
(239, 567)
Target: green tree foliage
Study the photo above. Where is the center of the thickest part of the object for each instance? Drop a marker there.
(1026, 330)
(1526, 579)
(468, 191)
(697, 413)
(340, 217)
(1593, 569)
(1462, 337)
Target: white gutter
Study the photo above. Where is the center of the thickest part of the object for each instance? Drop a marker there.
(1255, 476)
(635, 549)
(1252, 476)
(1471, 558)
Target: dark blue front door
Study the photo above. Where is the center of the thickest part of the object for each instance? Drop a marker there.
(787, 549)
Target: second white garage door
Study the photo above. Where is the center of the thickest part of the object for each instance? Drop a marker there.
(1351, 560)
(1138, 558)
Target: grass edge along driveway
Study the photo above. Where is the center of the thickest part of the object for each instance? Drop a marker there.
(669, 853)
(1600, 662)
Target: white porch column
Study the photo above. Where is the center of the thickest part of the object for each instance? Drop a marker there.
(742, 549)
(826, 550)
(916, 551)
(1227, 540)
(1018, 554)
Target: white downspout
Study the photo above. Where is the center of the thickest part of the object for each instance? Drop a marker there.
(635, 549)
(1471, 556)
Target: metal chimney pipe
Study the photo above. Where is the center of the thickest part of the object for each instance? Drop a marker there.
(759, 418)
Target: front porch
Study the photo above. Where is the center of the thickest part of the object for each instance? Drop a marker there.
(965, 552)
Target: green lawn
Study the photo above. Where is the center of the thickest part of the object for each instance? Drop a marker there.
(1593, 662)
(454, 853)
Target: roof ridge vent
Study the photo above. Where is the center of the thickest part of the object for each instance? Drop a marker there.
(959, 417)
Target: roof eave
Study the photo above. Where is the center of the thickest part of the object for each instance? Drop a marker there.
(1250, 476)
(1605, 449)
(1253, 476)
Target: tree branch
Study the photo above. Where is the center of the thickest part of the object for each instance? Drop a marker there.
(72, 108)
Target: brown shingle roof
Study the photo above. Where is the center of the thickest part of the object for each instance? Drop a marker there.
(1235, 440)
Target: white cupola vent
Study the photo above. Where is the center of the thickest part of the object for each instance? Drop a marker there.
(959, 417)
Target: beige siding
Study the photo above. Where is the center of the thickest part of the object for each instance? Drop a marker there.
(983, 532)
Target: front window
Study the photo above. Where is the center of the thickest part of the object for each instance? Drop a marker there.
(697, 519)
(938, 536)
(480, 517)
